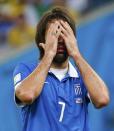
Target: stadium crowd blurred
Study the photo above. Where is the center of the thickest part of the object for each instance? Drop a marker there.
(18, 18)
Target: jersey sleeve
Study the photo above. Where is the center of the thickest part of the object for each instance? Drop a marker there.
(20, 73)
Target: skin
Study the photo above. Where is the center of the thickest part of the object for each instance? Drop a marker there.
(97, 89)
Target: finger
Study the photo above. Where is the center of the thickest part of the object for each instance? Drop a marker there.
(50, 27)
(55, 31)
(58, 32)
(63, 35)
(63, 30)
(51, 31)
(42, 45)
(56, 26)
(66, 26)
(59, 29)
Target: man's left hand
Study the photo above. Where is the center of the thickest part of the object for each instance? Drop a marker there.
(70, 39)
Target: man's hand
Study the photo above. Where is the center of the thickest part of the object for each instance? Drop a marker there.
(96, 87)
(70, 40)
(31, 87)
(52, 34)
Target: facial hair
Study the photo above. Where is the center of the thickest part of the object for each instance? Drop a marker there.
(60, 57)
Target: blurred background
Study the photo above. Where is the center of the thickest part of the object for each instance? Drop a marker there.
(95, 34)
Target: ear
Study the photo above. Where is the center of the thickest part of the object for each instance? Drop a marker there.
(42, 45)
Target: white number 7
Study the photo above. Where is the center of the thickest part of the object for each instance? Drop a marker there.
(62, 111)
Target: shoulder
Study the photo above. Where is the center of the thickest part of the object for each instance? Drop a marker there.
(26, 66)
(23, 69)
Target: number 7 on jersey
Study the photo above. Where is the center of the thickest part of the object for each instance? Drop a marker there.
(62, 110)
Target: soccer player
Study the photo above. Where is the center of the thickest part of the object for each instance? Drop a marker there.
(52, 93)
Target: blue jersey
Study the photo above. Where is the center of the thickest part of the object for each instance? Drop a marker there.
(61, 106)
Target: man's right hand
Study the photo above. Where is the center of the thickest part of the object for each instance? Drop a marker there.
(51, 39)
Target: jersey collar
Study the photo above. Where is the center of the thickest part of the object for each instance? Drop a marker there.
(72, 72)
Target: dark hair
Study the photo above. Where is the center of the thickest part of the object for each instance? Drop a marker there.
(54, 13)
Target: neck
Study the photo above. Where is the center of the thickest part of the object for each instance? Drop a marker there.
(60, 65)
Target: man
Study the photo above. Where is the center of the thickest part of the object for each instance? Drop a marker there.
(53, 93)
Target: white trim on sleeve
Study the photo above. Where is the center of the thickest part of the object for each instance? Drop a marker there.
(17, 78)
(17, 85)
(89, 97)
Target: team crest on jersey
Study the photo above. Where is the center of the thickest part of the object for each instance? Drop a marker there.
(77, 89)
(78, 92)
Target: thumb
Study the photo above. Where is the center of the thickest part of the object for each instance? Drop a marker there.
(42, 45)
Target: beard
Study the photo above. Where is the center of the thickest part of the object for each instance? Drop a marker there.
(60, 58)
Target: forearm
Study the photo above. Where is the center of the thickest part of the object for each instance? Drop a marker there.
(96, 87)
(31, 87)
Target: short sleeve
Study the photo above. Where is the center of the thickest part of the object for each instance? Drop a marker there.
(20, 73)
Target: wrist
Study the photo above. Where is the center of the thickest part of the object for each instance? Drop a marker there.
(76, 56)
(75, 53)
(49, 56)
